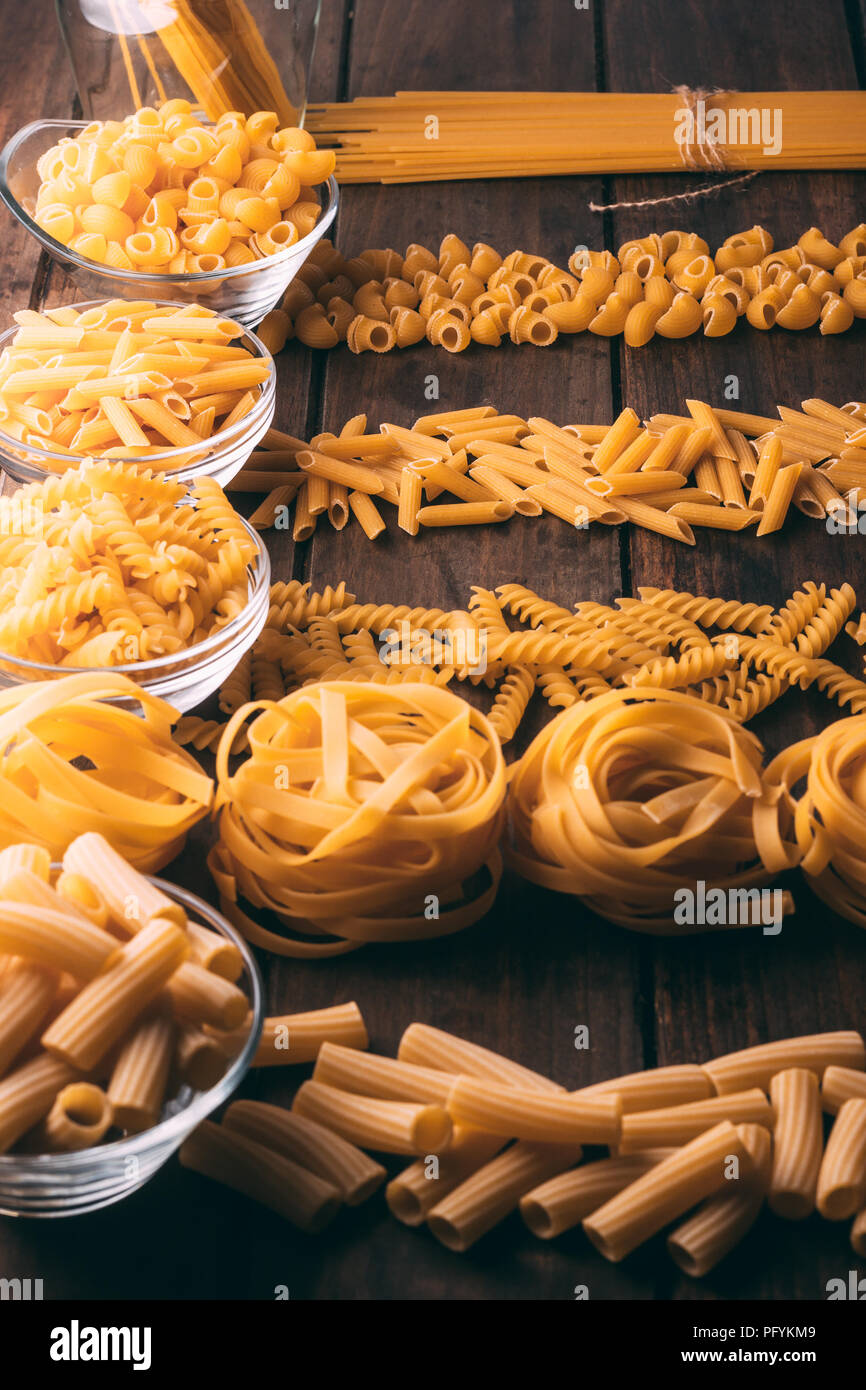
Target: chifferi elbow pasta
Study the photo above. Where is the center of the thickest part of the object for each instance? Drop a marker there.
(664, 285)
(160, 191)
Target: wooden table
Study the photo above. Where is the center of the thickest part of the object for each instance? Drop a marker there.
(539, 965)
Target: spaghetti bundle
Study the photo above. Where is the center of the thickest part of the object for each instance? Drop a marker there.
(363, 813)
(416, 137)
(831, 814)
(624, 799)
(139, 789)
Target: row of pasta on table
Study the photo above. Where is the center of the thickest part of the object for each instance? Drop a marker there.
(671, 474)
(648, 673)
(696, 1150)
(111, 999)
(667, 284)
(371, 804)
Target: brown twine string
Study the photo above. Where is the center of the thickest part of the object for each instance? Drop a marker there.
(705, 154)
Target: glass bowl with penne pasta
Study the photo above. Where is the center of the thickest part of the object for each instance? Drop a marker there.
(121, 1027)
(122, 571)
(168, 387)
(133, 246)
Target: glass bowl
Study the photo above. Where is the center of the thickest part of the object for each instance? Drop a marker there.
(243, 292)
(183, 678)
(222, 456)
(69, 1184)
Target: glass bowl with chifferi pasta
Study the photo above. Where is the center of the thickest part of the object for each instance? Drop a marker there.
(71, 1183)
(28, 456)
(186, 676)
(243, 292)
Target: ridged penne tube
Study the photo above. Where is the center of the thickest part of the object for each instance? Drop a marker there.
(367, 514)
(332, 1158)
(538, 1119)
(756, 1066)
(655, 1089)
(291, 1039)
(721, 1223)
(27, 992)
(57, 940)
(840, 1084)
(473, 1208)
(293, 1192)
(563, 1201)
(199, 1060)
(200, 996)
(431, 1047)
(384, 1077)
(694, 1172)
(77, 890)
(139, 1076)
(799, 1143)
(678, 1124)
(106, 1007)
(415, 1191)
(411, 497)
(842, 1179)
(29, 889)
(214, 952)
(27, 1094)
(35, 858)
(132, 900)
(79, 1118)
(385, 1125)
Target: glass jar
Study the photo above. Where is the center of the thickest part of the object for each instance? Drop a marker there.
(222, 55)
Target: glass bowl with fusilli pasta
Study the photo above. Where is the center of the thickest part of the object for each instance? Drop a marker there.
(68, 1179)
(244, 292)
(171, 388)
(105, 568)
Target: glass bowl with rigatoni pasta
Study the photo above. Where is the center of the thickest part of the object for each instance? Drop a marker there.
(129, 1011)
(172, 388)
(108, 568)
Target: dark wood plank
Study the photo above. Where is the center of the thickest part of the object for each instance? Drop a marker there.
(38, 86)
(727, 990)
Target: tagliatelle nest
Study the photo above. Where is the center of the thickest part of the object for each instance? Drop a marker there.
(140, 790)
(830, 817)
(629, 798)
(363, 813)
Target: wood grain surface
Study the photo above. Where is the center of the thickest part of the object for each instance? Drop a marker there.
(539, 965)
